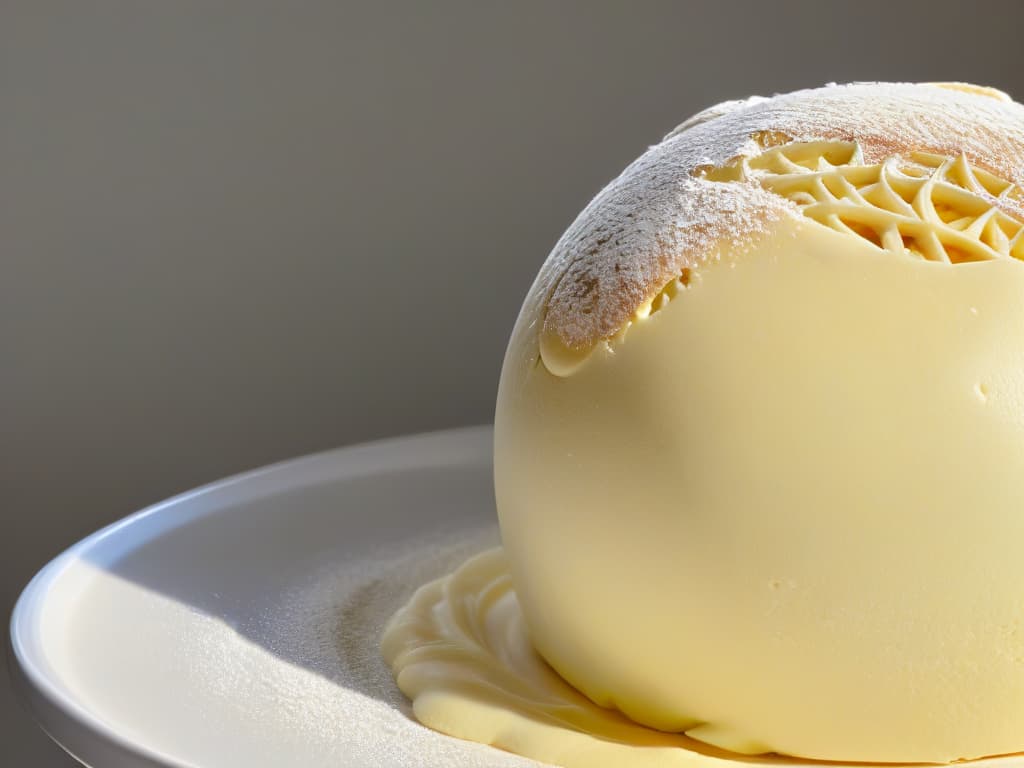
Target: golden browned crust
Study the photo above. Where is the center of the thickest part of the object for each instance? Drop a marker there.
(660, 216)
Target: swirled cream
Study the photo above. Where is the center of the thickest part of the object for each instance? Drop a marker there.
(460, 651)
(759, 446)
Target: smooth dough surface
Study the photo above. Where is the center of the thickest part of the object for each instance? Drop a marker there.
(785, 513)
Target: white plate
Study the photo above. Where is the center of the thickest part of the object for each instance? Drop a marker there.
(237, 625)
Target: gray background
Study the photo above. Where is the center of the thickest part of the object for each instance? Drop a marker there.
(235, 232)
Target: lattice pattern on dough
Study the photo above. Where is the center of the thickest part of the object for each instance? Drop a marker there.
(934, 207)
(928, 206)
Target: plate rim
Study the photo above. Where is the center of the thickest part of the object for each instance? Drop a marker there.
(66, 721)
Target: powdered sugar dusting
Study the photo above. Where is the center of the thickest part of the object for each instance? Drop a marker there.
(657, 218)
(336, 698)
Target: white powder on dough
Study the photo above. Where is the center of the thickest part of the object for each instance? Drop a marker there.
(657, 218)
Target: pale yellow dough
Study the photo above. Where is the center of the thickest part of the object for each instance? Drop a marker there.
(759, 454)
(786, 512)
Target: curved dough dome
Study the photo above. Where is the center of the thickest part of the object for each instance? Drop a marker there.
(783, 512)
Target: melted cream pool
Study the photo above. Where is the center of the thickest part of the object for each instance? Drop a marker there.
(460, 651)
